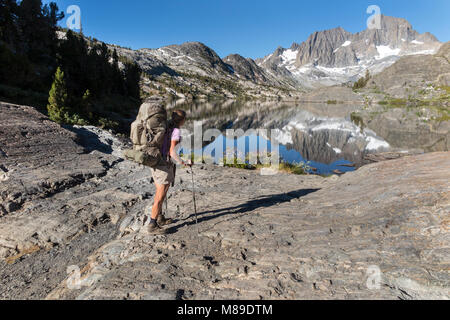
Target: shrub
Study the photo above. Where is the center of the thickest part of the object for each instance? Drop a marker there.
(362, 82)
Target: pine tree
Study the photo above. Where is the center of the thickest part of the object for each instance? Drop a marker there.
(367, 78)
(57, 101)
(8, 22)
(362, 82)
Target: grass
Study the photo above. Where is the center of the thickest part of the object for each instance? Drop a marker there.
(290, 168)
(445, 88)
(442, 118)
(377, 91)
(397, 102)
(332, 102)
(298, 169)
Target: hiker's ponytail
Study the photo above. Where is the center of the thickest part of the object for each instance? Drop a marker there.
(178, 117)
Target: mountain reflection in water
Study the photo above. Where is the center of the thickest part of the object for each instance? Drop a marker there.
(322, 135)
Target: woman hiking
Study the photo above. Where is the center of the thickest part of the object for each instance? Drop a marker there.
(164, 173)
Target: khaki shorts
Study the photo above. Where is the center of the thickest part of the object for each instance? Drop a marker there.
(163, 174)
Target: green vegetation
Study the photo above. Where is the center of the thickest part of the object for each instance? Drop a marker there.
(219, 87)
(445, 88)
(376, 90)
(83, 81)
(437, 104)
(358, 120)
(396, 102)
(445, 97)
(195, 87)
(332, 102)
(291, 168)
(28, 44)
(57, 101)
(443, 117)
(362, 82)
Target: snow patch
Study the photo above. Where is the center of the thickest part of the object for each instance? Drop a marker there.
(416, 42)
(375, 144)
(341, 126)
(386, 51)
(336, 71)
(431, 51)
(267, 58)
(346, 43)
(289, 56)
(283, 136)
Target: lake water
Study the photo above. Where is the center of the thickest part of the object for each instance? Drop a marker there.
(321, 135)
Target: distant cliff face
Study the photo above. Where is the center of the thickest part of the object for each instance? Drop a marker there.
(337, 56)
(320, 49)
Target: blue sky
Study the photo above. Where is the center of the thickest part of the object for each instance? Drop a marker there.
(248, 27)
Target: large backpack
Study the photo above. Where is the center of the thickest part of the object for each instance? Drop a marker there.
(148, 134)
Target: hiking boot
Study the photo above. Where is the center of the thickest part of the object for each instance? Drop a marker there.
(154, 228)
(162, 221)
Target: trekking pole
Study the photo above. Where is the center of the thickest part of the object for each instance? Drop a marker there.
(167, 207)
(195, 203)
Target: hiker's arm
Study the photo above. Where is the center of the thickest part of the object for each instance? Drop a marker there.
(174, 154)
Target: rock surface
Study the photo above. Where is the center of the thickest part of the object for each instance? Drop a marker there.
(246, 68)
(411, 74)
(258, 237)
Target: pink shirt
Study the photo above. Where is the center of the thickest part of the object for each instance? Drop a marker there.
(172, 135)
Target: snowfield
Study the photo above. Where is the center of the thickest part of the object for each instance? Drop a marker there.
(386, 51)
(346, 43)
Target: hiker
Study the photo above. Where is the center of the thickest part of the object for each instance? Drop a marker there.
(164, 173)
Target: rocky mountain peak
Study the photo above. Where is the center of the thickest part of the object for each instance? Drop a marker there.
(337, 56)
(246, 68)
(320, 47)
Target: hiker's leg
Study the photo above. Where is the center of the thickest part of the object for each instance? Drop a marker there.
(160, 196)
